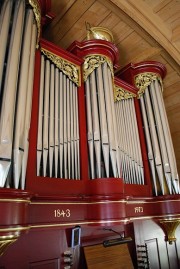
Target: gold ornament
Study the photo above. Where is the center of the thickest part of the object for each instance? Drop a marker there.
(37, 13)
(94, 61)
(143, 80)
(68, 68)
(122, 94)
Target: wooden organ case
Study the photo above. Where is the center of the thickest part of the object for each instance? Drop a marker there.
(81, 145)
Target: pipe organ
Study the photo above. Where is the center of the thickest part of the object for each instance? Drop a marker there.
(76, 129)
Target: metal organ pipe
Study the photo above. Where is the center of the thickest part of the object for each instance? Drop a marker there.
(58, 124)
(101, 123)
(17, 52)
(128, 142)
(149, 145)
(168, 139)
(159, 142)
(18, 146)
(5, 18)
(28, 105)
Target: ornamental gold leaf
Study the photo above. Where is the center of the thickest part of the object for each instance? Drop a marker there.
(69, 69)
(94, 61)
(37, 13)
(122, 94)
(143, 80)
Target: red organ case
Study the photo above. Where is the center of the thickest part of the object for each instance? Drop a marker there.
(83, 143)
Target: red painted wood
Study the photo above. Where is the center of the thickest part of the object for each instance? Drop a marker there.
(91, 47)
(60, 52)
(46, 15)
(14, 207)
(83, 132)
(131, 70)
(121, 83)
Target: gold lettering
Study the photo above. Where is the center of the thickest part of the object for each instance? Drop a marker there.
(138, 209)
(60, 213)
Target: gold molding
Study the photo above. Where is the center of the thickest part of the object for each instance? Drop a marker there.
(79, 223)
(122, 94)
(37, 13)
(170, 227)
(93, 61)
(15, 229)
(143, 80)
(104, 202)
(126, 220)
(15, 200)
(68, 68)
(78, 203)
(5, 242)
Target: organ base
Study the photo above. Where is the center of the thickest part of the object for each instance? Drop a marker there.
(31, 221)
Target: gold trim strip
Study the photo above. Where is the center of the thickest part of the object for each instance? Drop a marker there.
(143, 80)
(67, 67)
(15, 229)
(15, 200)
(37, 13)
(103, 202)
(151, 202)
(169, 219)
(77, 203)
(78, 223)
(122, 94)
(93, 61)
(150, 217)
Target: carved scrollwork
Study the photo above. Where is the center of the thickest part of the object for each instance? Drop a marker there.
(143, 80)
(5, 242)
(122, 94)
(94, 61)
(170, 227)
(37, 13)
(68, 68)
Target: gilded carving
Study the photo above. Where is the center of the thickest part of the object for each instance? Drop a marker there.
(143, 80)
(37, 13)
(5, 242)
(68, 68)
(94, 61)
(98, 33)
(170, 227)
(122, 94)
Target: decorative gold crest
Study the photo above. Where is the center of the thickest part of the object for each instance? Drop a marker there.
(143, 80)
(37, 13)
(68, 68)
(122, 94)
(98, 32)
(170, 227)
(5, 242)
(94, 61)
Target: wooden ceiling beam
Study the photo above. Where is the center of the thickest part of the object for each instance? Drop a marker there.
(150, 22)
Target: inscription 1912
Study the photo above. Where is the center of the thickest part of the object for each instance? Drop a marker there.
(138, 209)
